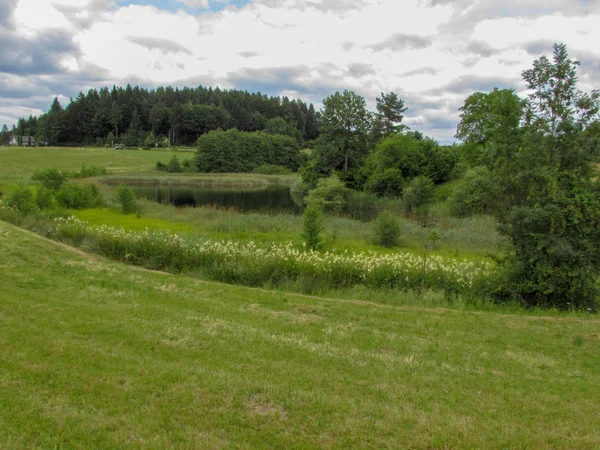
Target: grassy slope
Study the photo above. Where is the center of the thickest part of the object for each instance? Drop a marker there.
(97, 354)
(20, 163)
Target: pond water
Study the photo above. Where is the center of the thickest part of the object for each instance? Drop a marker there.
(274, 198)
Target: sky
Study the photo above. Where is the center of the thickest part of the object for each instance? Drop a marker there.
(432, 53)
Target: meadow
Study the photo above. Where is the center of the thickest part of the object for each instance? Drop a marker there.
(97, 354)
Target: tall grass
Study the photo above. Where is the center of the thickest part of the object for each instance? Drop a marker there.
(252, 265)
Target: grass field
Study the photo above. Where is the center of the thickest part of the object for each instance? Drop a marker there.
(101, 355)
(20, 163)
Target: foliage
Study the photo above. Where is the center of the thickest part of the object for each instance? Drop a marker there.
(313, 226)
(548, 199)
(271, 169)
(22, 199)
(476, 194)
(174, 166)
(388, 183)
(390, 112)
(44, 198)
(402, 157)
(180, 114)
(387, 229)
(234, 262)
(236, 151)
(345, 124)
(418, 194)
(330, 194)
(150, 141)
(51, 179)
(278, 125)
(78, 196)
(127, 199)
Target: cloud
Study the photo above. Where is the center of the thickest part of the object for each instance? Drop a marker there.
(401, 41)
(7, 8)
(42, 53)
(249, 54)
(164, 46)
(359, 70)
(194, 3)
(433, 53)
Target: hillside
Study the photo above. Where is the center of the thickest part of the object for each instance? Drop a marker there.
(99, 354)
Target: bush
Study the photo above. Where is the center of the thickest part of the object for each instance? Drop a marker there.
(127, 199)
(22, 199)
(418, 193)
(174, 166)
(44, 198)
(271, 169)
(74, 196)
(477, 194)
(51, 179)
(388, 183)
(330, 194)
(387, 229)
(313, 226)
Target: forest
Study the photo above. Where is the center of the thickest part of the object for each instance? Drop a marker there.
(128, 115)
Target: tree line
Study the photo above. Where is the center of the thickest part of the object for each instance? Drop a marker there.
(128, 115)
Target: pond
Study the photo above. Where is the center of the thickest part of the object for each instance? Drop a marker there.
(274, 198)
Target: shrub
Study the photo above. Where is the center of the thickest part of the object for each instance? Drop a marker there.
(477, 194)
(44, 198)
(126, 198)
(271, 169)
(387, 229)
(387, 183)
(418, 193)
(330, 194)
(313, 226)
(22, 199)
(51, 179)
(74, 196)
(173, 166)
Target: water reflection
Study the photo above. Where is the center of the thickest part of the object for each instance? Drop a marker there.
(275, 198)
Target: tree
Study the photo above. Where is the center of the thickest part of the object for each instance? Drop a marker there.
(313, 226)
(548, 199)
(116, 115)
(345, 120)
(390, 112)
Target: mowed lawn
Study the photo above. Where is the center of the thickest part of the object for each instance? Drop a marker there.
(96, 354)
(21, 163)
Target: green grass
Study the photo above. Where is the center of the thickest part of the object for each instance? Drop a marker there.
(96, 354)
(20, 163)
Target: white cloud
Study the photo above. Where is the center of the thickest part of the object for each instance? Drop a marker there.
(432, 52)
(194, 3)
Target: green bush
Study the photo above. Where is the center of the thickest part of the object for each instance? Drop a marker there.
(74, 196)
(238, 151)
(173, 166)
(313, 226)
(51, 179)
(330, 194)
(476, 194)
(388, 183)
(271, 169)
(387, 229)
(418, 194)
(22, 199)
(127, 199)
(44, 198)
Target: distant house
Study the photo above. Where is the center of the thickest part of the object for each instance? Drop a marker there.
(27, 141)
(22, 141)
